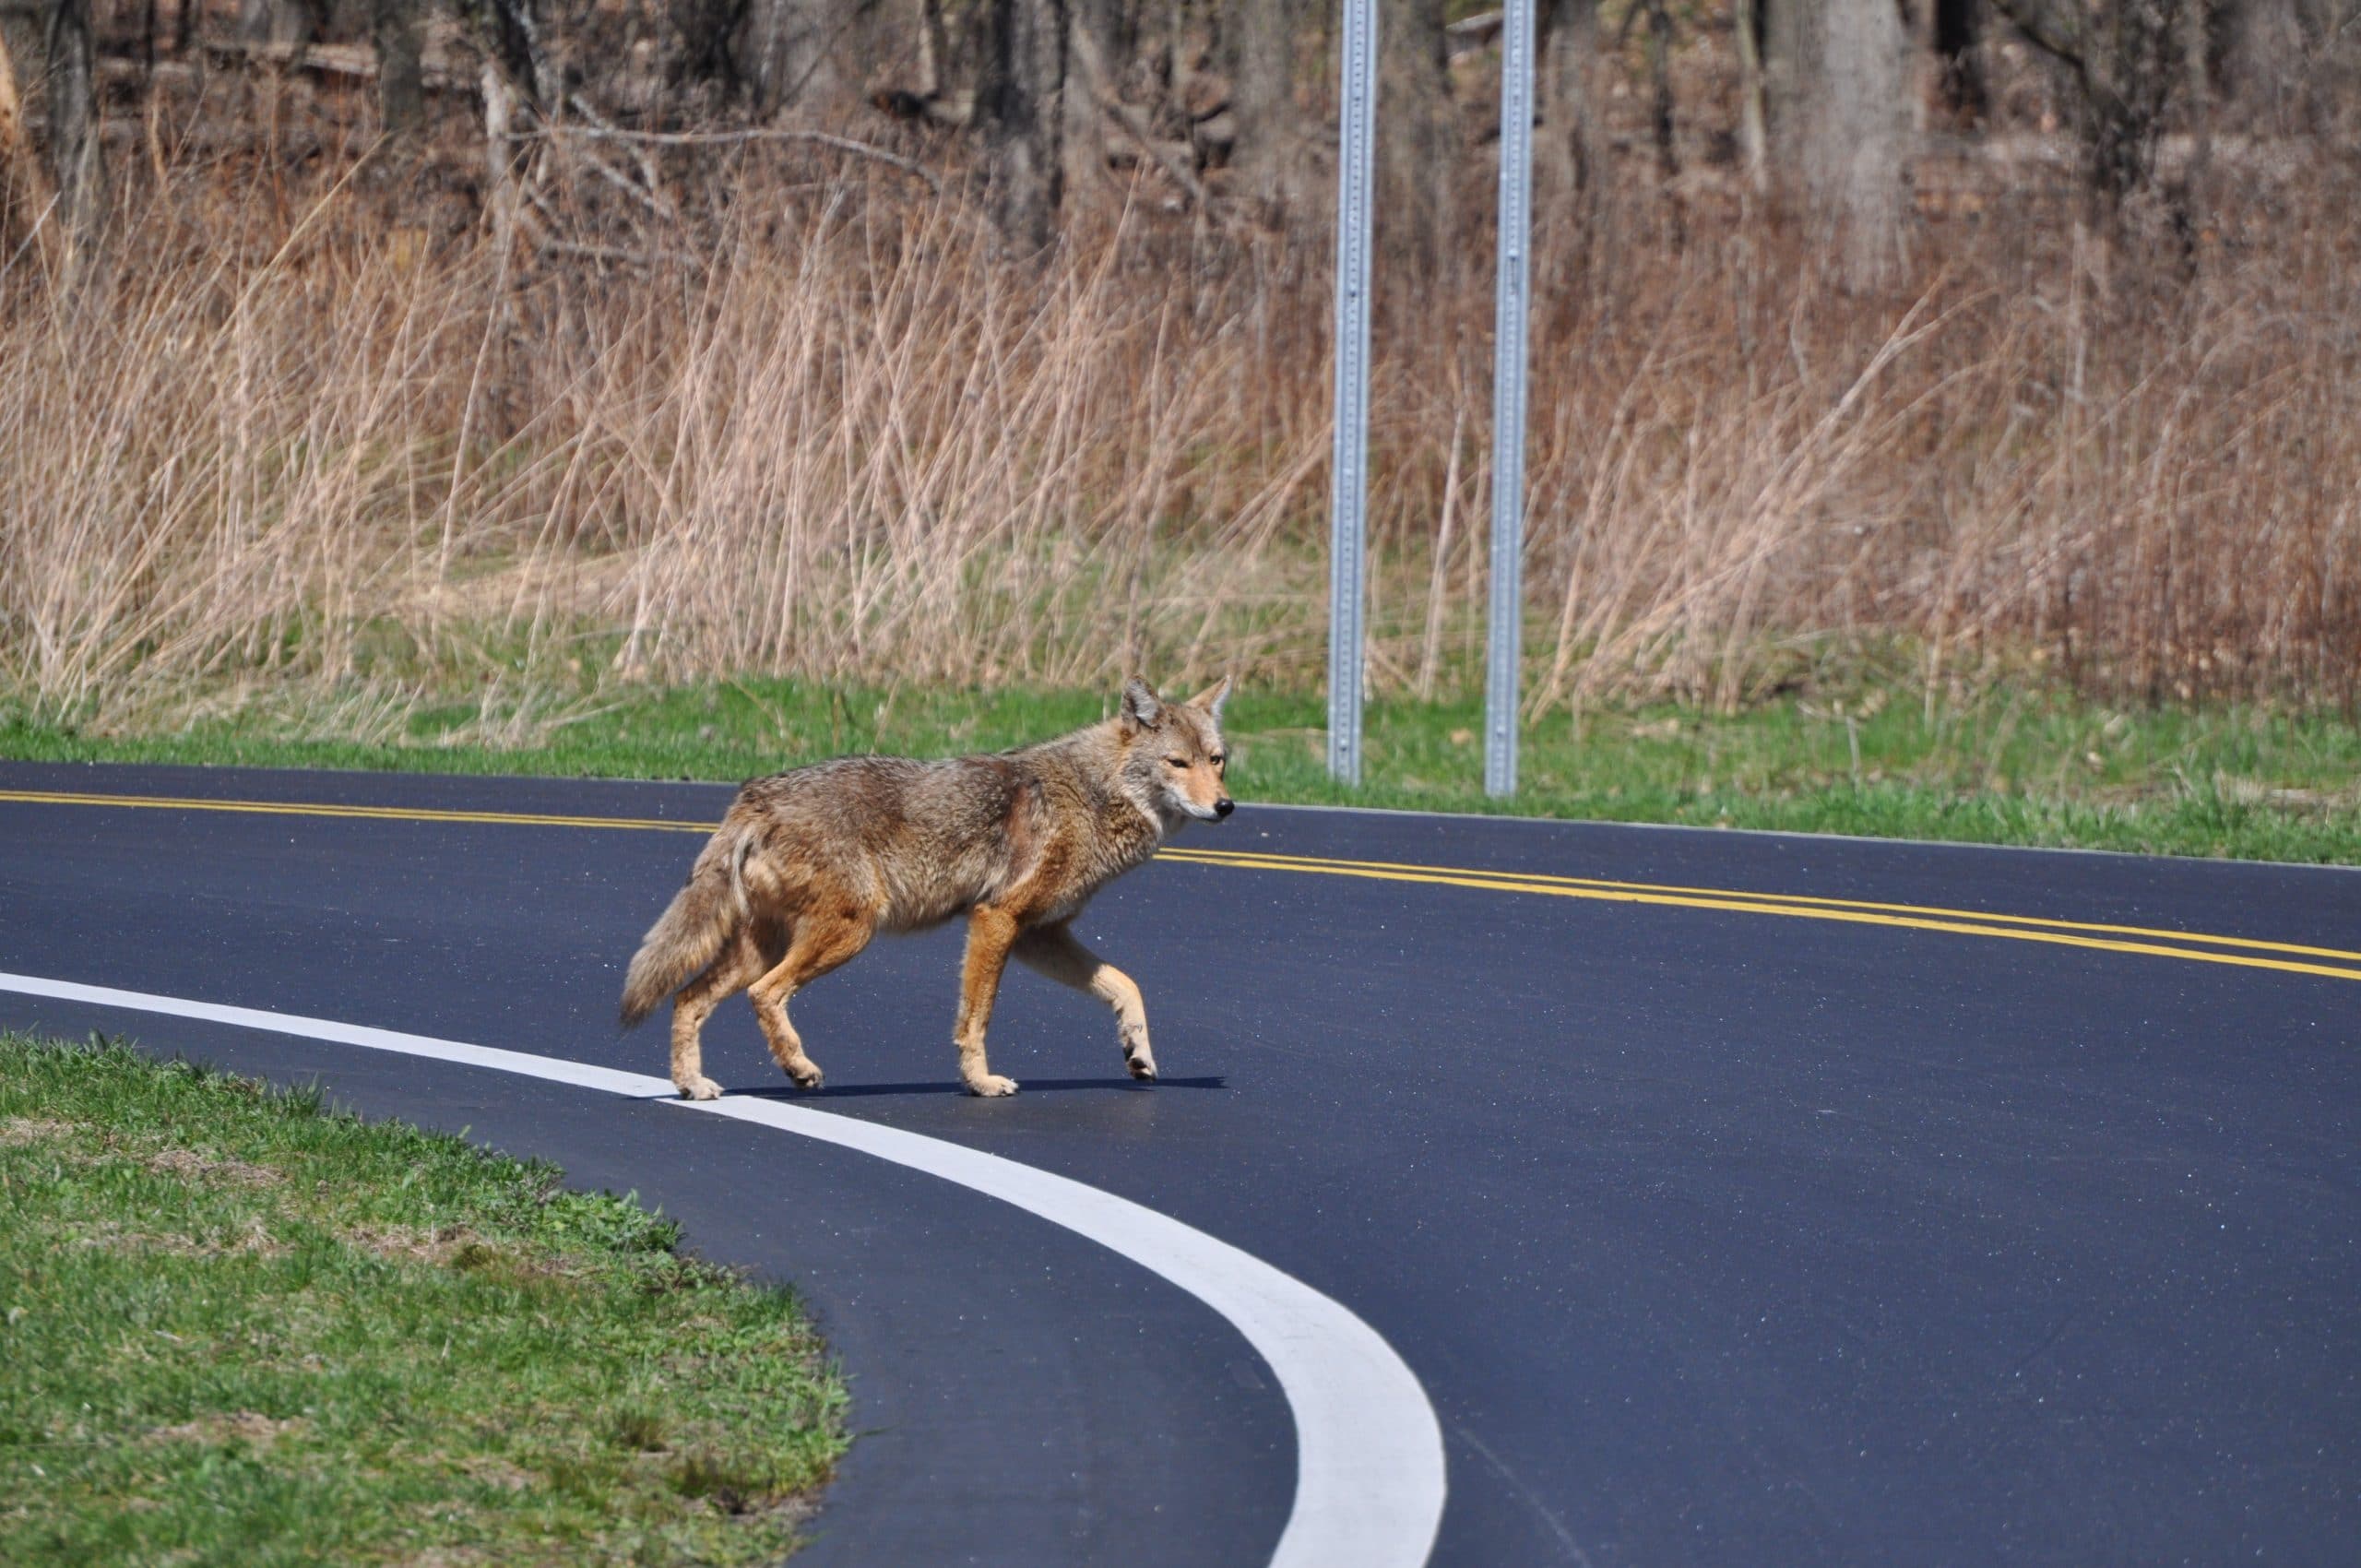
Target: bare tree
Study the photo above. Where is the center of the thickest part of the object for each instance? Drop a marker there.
(509, 32)
(47, 64)
(1835, 74)
(76, 166)
(1957, 30)
(24, 187)
(1257, 49)
(933, 49)
(2125, 58)
(787, 49)
(702, 43)
(1415, 134)
(2262, 51)
(396, 28)
(283, 22)
(1020, 110)
(1660, 100)
(1753, 131)
(1098, 40)
(1569, 153)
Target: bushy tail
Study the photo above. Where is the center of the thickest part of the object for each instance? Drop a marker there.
(688, 935)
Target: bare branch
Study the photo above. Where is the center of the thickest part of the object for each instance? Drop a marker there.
(619, 257)
(589, 111)
(723, 139)
(1084, 53)
(2042, 29)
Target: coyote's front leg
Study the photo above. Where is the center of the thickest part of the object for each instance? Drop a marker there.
(991, 933)
(1052, 950)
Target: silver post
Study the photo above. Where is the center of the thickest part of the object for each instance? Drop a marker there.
(1349, 474)
(1508, 401)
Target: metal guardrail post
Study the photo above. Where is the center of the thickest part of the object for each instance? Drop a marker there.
(1507, 609)
(1348, 476)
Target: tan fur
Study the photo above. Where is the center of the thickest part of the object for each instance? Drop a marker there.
(810, 864)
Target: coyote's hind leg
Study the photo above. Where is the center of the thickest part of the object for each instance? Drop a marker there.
(740, 962)
(824, 939)
(1052, 950)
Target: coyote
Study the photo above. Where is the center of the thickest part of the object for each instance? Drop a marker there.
(810, 864)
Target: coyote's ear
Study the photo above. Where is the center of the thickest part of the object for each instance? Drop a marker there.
(1141, 708)
(1212, 697)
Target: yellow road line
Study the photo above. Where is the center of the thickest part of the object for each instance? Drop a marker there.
(1541, 883)
(1765, 905)
(2150, 942)
(383, 813)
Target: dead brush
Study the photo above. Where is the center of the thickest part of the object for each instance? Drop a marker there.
(859, 445)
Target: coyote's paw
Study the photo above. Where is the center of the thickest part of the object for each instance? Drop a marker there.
(1139, 1058)
(991, 1085)
(806, 1077)
(700, 1087)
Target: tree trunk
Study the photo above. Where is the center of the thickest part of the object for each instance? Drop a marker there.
(1099, 46)
(286, 22)
(1784, 38)
(506, 203)
(2127, 56)
(1958, 30)
(787, 51)
(2129, 75)
(509, 33)
(395, 29)
(1753, 131)
(76, 168)
(1660, 105)
(1020, 109)
(2264, 47)
(1835, 77)
(1415, 135)
(1258, 45)
(24, 186)
(934, 50)
(1568, 164)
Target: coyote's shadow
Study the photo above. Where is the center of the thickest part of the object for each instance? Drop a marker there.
(953, 1085)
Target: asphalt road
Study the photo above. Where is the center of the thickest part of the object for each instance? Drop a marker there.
(1719, 1226)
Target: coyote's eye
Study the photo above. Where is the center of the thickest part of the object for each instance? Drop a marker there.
(1219, 758)
(1178, 761)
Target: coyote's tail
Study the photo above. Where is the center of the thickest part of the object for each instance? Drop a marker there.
(686, 937)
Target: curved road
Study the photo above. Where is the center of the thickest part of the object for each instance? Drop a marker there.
(1736, 1198)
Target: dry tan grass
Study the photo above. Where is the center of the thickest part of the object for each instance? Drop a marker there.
(250, 1428)
(20, 1131)
(202, 1167)
(252, 1240)
(411, 1243)
(857, 444)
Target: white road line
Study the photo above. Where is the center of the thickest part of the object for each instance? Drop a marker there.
(1369, 1481)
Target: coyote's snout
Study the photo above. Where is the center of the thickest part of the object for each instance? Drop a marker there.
(810, 864)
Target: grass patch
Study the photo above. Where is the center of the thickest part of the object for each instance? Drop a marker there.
(238, 1328)
(2005, 764)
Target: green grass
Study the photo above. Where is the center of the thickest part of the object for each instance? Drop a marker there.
(236, 1328)
(2003, 763)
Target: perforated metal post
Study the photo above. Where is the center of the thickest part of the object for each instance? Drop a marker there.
(1348, 476)
(1507, 627)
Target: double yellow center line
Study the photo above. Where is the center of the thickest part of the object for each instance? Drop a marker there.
(2196, 946)
(378, 813)
(2193, 947)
